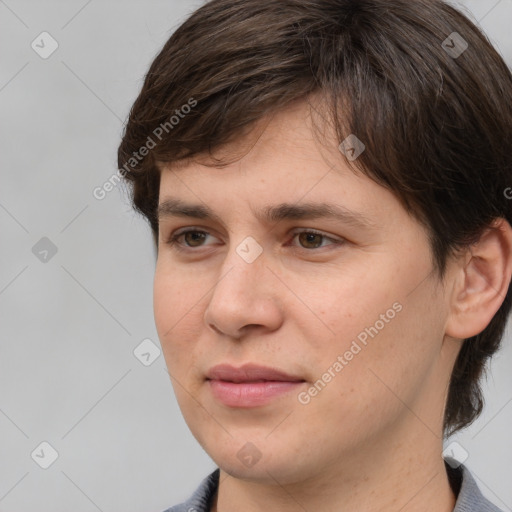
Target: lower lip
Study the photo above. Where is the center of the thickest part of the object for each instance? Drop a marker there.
(250, 394)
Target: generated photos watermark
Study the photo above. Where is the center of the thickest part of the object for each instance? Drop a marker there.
(152, 141)
(304, 397)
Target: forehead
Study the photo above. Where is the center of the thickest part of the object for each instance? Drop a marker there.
(282, 161)
(285, 134)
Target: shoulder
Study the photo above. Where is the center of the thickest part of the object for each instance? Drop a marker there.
(201, 500)
(470, 498)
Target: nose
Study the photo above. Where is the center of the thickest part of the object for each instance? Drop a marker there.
(244, 298)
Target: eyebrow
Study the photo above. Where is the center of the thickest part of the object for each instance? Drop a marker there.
(172, 207)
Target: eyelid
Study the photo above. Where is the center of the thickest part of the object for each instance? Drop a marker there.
(185, 230)
(317, 232)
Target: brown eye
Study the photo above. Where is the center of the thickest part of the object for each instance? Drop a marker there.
(194, 238)
(310, 240)
(189, 239)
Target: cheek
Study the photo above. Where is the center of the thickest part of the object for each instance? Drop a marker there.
(383, 341)
(346, 301)
(176, 305)
(175, 296)
(393, 364)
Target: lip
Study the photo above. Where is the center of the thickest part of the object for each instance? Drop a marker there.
(250, 385)
(249, 373)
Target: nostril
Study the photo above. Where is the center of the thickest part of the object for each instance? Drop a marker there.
(218, 331)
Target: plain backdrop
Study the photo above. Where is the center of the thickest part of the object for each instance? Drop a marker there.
(76, 274)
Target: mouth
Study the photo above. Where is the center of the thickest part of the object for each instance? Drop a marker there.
(250, 385)
(250, 373)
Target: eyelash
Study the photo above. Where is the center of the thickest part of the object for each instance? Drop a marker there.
(173, 240)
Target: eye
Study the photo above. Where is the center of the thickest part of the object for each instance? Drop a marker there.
(190, 238)
(311, 239)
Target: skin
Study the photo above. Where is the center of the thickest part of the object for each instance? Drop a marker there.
(371, 439)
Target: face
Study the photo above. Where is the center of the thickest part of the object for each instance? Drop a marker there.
(347, 306)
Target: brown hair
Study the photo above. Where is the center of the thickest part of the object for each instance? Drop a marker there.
(437, 127)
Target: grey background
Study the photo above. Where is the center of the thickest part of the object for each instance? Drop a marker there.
(69, 326)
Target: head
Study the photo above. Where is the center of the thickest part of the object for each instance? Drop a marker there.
(253, 104)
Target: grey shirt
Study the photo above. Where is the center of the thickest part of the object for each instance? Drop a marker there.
(469, 497)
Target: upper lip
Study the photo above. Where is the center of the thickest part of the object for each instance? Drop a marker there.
(249, 373)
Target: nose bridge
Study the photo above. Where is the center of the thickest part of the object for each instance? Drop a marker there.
(243, 267)
(240, 297)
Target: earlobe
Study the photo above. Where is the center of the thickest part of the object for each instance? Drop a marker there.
(482, 282)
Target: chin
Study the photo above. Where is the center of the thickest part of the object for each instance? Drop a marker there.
(258, 461)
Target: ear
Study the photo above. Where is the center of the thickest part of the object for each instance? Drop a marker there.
(482, 281)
